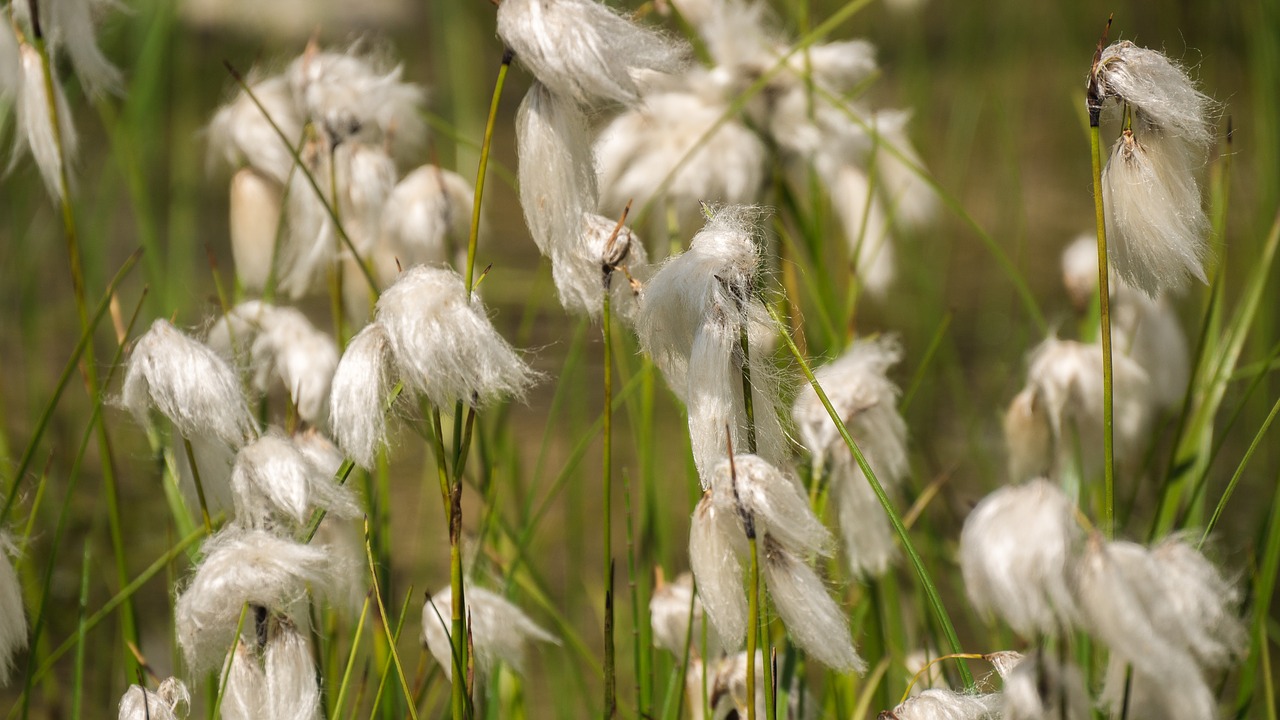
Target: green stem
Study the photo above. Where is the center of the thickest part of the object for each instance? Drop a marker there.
(1104, 303)
(335, 274)
(926, 582)
(610, 680)
(507, 56)
(1235, 478)
(748, 400)
(128, 623)
(195, 475)
(753, 622)
(382, 613)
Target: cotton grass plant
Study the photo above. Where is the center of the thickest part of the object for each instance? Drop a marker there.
(723, 201)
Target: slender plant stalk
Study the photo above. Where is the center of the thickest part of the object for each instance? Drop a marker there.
(1094, 97)
(226, 670)
(195, 475)
(42, 424)
(610, 680)
(926, 581)
(1235, 478)
(753, 621)
(382, 613)
(1104, 304)
(330, 207)
(507, 56)
(335, 275)
(459, 699)
(75, 258)
(78, 686)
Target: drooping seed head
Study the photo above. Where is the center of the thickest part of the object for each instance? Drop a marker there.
(500, 631)
(188, 383)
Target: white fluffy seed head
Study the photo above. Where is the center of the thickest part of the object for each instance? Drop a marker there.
(250, 567)
(169, 701)
(255, 208)
(865, 224)
(858, 387)
(351, 94)
(35, 130)
(585, 51)
(557, 176)
(500, 631)
(1041, 686)
(642, 146)
(292, 691)
(579, 268)
(775, 501)
(1066, 379)
(941, 704)
(727, 690)
(715, 543)
(358, 401)
(1128, 604)
(365, 176)
(1018, 552)
(444, 345)
(910, 199)
(277, 483)
(280, 344)
(814, 621)
(1155, 222)
(670, 609)
(870, 545)
(241, 134)
(188, 383)
(245, 697)
(13, 618)
(1028, 436)
(1160, 92)
(68, 26)
(427, 213)
(711, 279)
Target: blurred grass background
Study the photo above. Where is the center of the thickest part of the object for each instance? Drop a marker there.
(997, 90)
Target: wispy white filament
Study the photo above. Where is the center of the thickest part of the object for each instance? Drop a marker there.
(351, 94)
(292, 692)
(638, 150)
(1041, 687)
(859, 390)
(1156, 226)
(188, 383)
(68, 26)
(1160, 92)
(13, 618)
(245, 695)
(775, 501)
(444, 345)
(1063, 402)
(671, 608)
(169, 701)
(280, 343)
(242, 134)
(1128, 605)
(250, 567)
(693, 314)
(715, 543)
(1018, 553)
(427, 213)
(275, 481)
(500, 631)
(583, 50)
(814, 621)
(51, 145)
(947, 705)
(358, 401)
